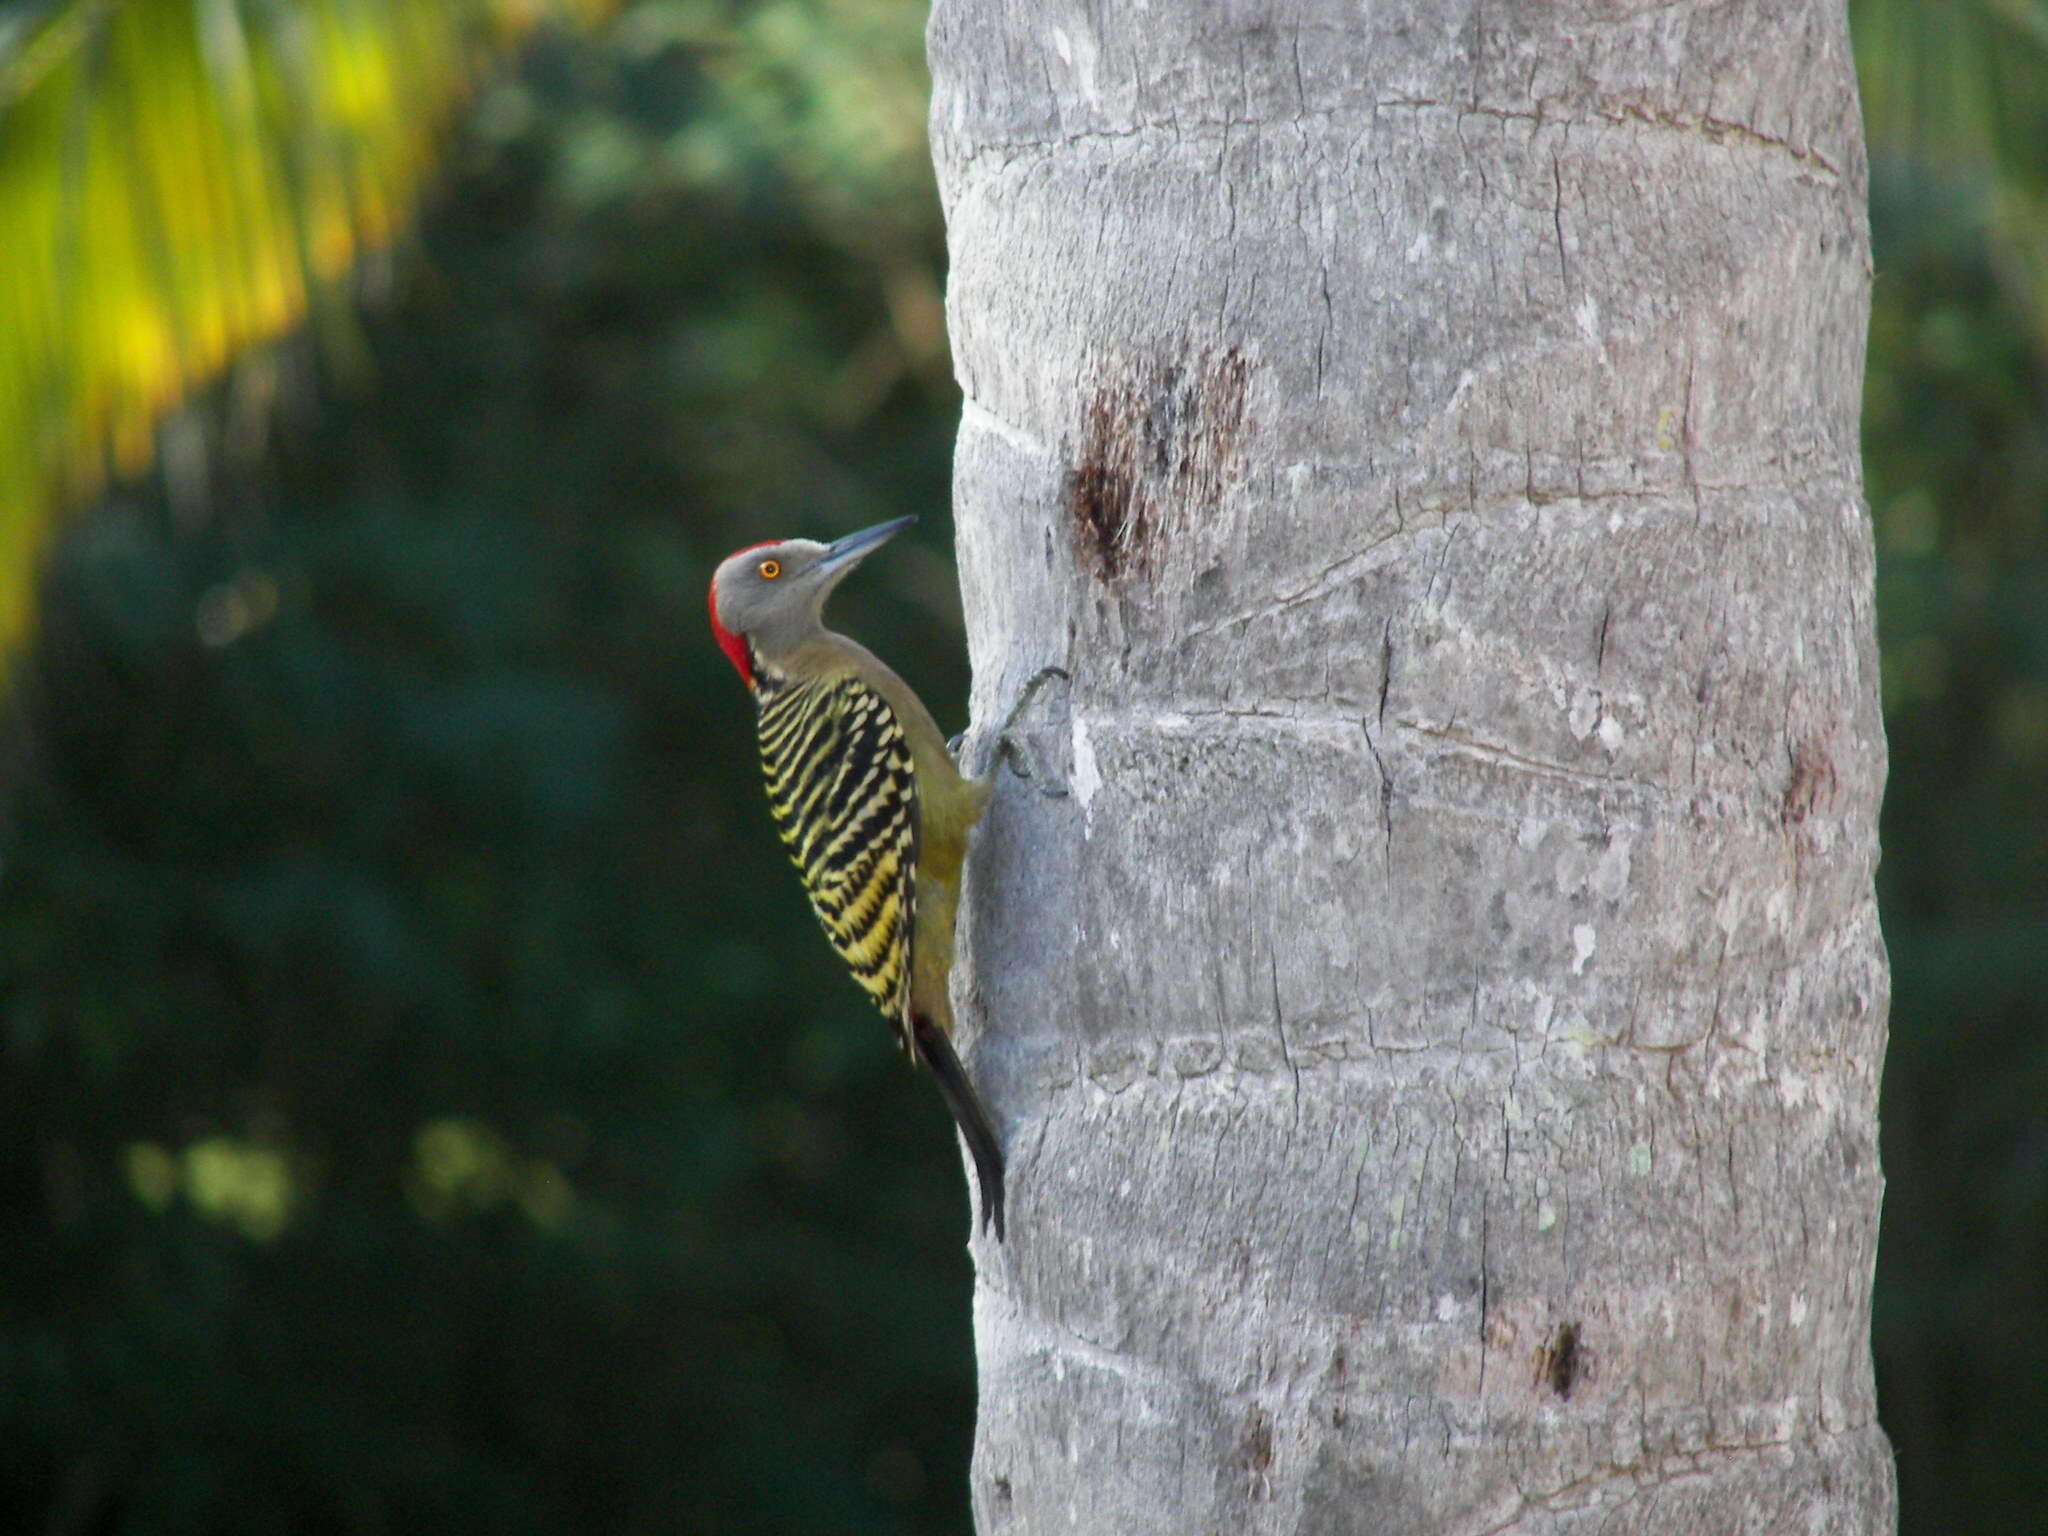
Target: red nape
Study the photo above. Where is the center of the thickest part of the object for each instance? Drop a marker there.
(734, 646)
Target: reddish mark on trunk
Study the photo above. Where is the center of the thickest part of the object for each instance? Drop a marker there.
(1155, 444)
(1812, 785)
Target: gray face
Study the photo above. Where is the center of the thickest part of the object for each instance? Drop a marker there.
(772, 595)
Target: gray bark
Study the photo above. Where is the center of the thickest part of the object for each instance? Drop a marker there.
(1437, 1044)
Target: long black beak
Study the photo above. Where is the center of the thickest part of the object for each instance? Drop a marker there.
(843, 554)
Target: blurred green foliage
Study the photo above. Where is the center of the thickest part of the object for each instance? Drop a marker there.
(1956, 459)
(1956, 448)
(1962, 89)
(425, 1103)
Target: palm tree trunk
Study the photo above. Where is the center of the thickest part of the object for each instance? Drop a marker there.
(1438, 1042)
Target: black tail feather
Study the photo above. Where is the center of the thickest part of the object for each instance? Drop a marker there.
(968, 1114)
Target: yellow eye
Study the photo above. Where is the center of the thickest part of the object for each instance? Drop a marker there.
(769, 569)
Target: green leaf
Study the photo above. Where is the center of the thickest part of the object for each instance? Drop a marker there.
(179, 179)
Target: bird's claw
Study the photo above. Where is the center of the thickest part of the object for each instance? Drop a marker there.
(1027, 693)
(1015, 750)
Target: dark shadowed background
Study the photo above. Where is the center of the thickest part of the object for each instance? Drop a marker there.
(426, 1104)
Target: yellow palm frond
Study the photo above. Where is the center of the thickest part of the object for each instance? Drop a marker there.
(176, 178)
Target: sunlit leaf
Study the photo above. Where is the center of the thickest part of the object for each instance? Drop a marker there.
(177, 179)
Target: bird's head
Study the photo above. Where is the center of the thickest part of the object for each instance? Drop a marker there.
(766, 599)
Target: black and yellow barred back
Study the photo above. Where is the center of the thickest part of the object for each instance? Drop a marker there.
(843, 796)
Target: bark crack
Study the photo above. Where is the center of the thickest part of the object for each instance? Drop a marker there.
(1492, 752)
(1582, 1493)
(1323, 335)
(1011, 432)
(1280, 1029)
(1633, 115)
(1564, 268)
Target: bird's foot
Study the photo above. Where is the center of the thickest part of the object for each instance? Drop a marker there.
(1015, 750)
(1024, 763)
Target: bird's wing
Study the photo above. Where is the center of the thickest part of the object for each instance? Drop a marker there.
(844, 797)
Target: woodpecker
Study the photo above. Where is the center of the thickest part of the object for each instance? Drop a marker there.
(873, 808)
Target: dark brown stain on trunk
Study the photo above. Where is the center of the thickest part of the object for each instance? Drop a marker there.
(1157, 444)
(1561, 1362)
